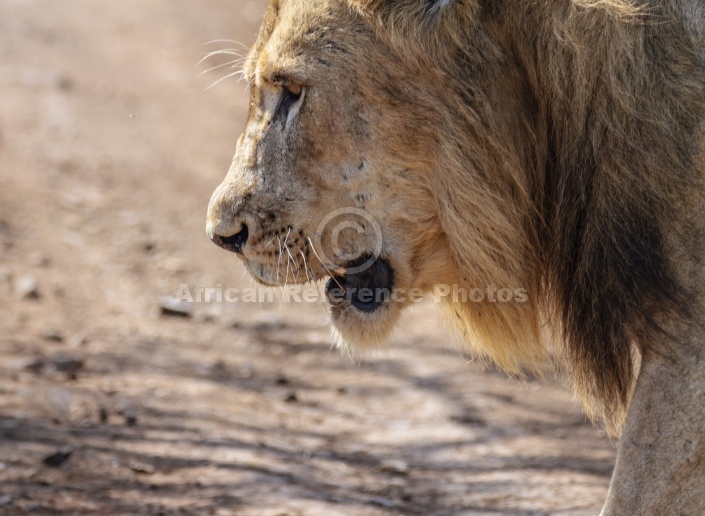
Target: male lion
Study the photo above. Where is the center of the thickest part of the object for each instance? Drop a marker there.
(549, 145)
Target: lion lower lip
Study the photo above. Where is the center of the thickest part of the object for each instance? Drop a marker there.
(366, 289)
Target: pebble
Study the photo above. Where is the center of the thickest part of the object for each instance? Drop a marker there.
(131, 415)
(27, 287)
(53, 336)
(58, 458)
(170, 306)
(66, 364)
(141, 467)
(398, 467)
(77, 340)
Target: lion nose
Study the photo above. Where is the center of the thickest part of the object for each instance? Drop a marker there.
(227, 220)
(225, 229)
(233, 243)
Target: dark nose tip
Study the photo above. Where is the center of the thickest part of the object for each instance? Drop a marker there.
(233, 243)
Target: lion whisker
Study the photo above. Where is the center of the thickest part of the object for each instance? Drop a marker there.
(291, 258)
(232, 41)
(271, 241)
(233, 64)
(331, 273)
(306, 270)
(226, 51)
(279, 259)
(241, 73)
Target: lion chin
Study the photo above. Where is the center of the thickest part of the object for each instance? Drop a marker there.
(362, 304)
(549, 147)
(362, 307)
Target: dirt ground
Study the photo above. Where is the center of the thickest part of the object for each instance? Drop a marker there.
(110, 146)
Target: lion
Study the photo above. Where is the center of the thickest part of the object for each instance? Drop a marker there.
(554, 146)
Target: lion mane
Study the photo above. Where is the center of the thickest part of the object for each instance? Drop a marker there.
(592, 170)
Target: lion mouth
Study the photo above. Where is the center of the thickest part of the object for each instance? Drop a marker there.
(365, 287)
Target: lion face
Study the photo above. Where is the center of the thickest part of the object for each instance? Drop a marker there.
(331, 175)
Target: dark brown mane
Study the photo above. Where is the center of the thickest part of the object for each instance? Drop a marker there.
(586, 114)
(622, 103)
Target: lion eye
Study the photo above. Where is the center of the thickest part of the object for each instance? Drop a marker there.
(291, 97)
(295, 90)
(289, 103)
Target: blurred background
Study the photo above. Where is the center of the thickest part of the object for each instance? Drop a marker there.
(115, 399)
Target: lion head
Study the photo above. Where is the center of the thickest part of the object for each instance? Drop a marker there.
(554, 147)
(333, 175)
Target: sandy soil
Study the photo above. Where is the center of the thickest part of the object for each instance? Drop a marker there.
(109, 149)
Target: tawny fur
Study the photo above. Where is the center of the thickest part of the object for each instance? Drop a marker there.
(551, 145)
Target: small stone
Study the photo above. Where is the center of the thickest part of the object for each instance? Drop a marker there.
(382, 502)
(36, 365)
(27, 287)
(77, 340)
(269, 325)
(173, 307)
(69, 365)
(205, 318)
(398, 467)
(292, 398)
(53, 336)
(58, 458)
(130, 414)
(141, 467)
